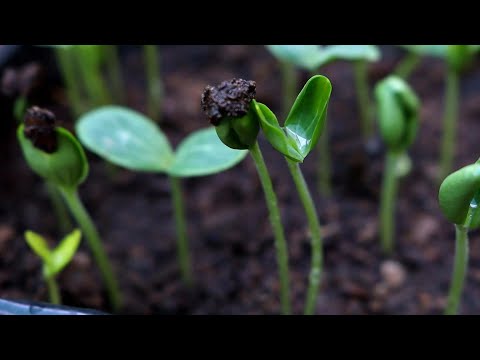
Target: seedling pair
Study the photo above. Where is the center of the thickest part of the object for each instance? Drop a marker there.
(459, 196)
(398, 108)
(54, 154)
(54, 260)
(129, 139)
(312, 58)
(231, 107)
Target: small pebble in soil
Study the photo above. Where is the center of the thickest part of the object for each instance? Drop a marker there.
(393, 273)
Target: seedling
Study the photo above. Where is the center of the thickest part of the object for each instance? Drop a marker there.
(114, 68)
(459, 196)
(398, 108)
(238, 118)
(154, 82)
(54, 154)
(312, 58)
(81, 69)
(54, 260)
(457, 58)
(131, 140)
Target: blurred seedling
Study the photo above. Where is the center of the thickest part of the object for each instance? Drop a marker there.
(131, 140)
(55, 154)
(238, 117)
(154, 82)
(398, 108)
(54, 260)
(459, 196)
(457, 59)
(312, 58)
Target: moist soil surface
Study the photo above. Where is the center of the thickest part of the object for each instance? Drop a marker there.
(229, 232)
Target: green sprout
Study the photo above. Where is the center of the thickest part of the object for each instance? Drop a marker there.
(398, 108)
(55, 154)
(114, 68)
(154, 82)
(129, 139)
(238, 118)
(459, 196)
(311, 58)
(457, 58)
(54, 260)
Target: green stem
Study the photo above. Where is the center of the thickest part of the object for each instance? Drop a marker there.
(387, 202)
(114, 68)
(275, 220)
(449, 123)
(72, 86)
(89, 67)
(181, 229)
(459, 270)
(61, 212)
(53, 291)
(363, 98)
(93, 238)
(407, 65)
(324, 169)
(154, 82)
(289, 85)
(316, 238)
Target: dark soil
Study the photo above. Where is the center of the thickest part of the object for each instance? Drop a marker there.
(230, 235)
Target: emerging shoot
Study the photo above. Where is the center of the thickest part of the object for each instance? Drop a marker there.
(54, 260)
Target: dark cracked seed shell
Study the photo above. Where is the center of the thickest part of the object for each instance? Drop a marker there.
(229, 99)
(40, 129)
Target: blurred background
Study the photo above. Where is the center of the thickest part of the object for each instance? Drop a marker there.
(229, 232)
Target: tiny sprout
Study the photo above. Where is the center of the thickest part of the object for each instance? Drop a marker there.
(154, 82)
(54, 260)
(398, 108)
(64, 166)
(459, 196)
(130, 140)
(303, 127)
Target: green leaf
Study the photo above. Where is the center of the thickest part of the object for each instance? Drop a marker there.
(457, 192)
(398, 108)
(349, 53)
(306, 57)
(202, 153)
(38, 245)
(67, 167)
(275, 134)
(64, 252)
(125, 138)
(306, 120)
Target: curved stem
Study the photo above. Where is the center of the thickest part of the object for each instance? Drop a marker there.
(72, 86)
(114, 69)
(275, 220)
(459, 270)
(407, 65)
(289, 86)
(360, 68)
(449, 123)
(61, 212)
(93, 238)
(324, 169)
(154, 81)
(387, 202)
(181, 229)
(53, 291)
(316, 238)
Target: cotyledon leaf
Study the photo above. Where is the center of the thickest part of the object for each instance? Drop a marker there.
(457, 192)
(349, 53)
(125, 138)
(64, 252)
(39, 245)
(307, 57)
(202, 153)
(306, 120)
